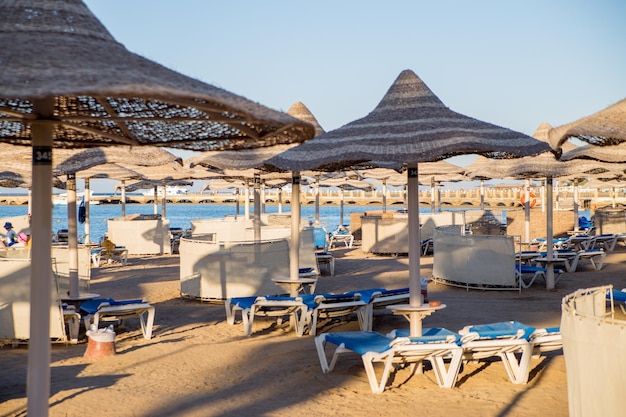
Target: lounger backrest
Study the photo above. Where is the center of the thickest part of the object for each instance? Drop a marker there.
(506, 330)
(366, 295)
(437, 335)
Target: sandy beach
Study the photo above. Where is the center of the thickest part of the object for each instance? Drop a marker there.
(198, 365)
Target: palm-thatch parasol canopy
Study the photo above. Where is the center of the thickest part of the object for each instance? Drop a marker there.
(606, 127)
(302, 112)
(70, 161)
(235, 160)
(104, 94)
(10, 179)
(409, 125)
(609, 154)
(109, 171)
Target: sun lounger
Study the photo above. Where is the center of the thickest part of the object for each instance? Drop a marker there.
(427, 246)
(107, 309)
(307, 272)
(536, 271)
(605, 241)
(325, 258)
(595, 256)
(269, 306)
(546, 340)
(510, 341)
(341, 235)
(436, 346)
(557, 243)
(619, 296)
(329, 307)
(526, 256)
(379, 298)
(117, 254)
(71, 317)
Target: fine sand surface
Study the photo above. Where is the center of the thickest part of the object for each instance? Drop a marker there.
(198, 365)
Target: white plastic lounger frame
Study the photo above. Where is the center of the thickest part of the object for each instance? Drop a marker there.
(381, 299)
(392, 353)
(595, 256)
(341, 236)
(546, 340)
(514, 350)
(331, 306)
(521, 270)
(144, 311)
(605, 241)
(72, 318)
(278, 307)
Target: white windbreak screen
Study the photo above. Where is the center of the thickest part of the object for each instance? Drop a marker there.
(473, 260)
(593, 347)
(219, 270)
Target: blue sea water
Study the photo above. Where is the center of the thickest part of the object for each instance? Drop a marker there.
(181, 215)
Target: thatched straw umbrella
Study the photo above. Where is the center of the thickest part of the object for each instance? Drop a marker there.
(604, 128)
(302, 112)
(344, 184)
(110, 171)
(10, 179)
(546, 166)
(65, 82)
(246, 164)
(250, 165)
(613, 154)
(410, 125)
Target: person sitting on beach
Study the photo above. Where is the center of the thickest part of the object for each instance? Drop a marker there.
(11, 238)
(108, 246)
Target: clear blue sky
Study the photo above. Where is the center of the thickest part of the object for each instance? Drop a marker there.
(515, 64)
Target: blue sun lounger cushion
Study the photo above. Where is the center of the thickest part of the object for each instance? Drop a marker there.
(505, 329)
(91, 306)
(270, 306)
(546, 340)
(379, 298)
(389, 351)
(367, 294)
(429, 335)
(100, 309)
(618, 295)
(507, 340)
(360, 342)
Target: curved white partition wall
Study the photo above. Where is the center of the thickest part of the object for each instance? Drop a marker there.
(593, 347)
(214, 270)
(473, 261)
(211, 269)
(141, 234)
